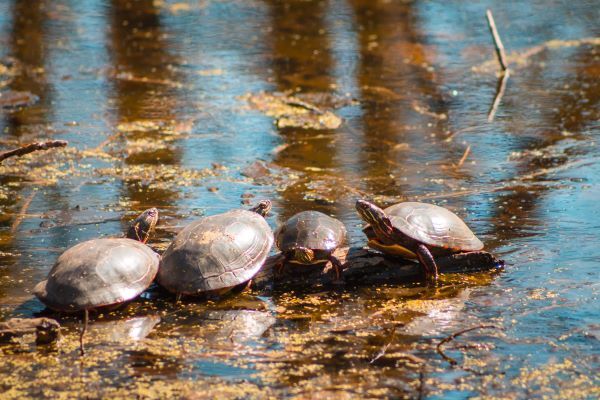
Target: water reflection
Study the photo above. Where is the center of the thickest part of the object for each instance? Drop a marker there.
(136, 328)
(28, 42)
(301, 60)
(145, 82)
(137, 69)
(30, 48)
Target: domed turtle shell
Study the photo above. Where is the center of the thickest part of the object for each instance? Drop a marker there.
(216, 253)
(311, 229)
(433, 226)
(98, 273)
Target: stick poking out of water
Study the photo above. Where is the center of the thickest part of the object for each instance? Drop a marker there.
(464, 157)
(497, 42)
(30, 148)
(503, 64)
(86, 318)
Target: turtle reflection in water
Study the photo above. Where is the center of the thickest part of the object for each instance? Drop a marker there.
(235, 327)
(417, 231)
(121, 330)
(101, 273)
(217, 253)
(310, 237)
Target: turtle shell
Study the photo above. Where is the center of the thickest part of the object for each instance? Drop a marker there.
(433, 226)
(310, 229)
(98, 273)
(215, 253)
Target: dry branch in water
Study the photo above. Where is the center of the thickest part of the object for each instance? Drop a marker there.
(450, 338)
(503, 64)
(30, 148)
(385, 346)
(497, 41)
(414, 361)
(464, 157)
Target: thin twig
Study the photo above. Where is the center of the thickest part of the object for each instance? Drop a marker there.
(410, 357)
(450, 338)
(497, 42)
(21, 215)
(106, 141)
(30, 148)
(422, 382)
(464, 157)
(499, 93)
(452, 135)
(85, 325)
(385, 347)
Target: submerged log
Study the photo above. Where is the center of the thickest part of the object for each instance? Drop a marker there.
(367, 267)
(46, 330)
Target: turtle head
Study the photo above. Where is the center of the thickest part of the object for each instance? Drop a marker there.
(262, 208)
(141, 227)
(303, 255)
(375, 217)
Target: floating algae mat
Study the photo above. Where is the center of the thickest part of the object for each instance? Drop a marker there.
(198, 108)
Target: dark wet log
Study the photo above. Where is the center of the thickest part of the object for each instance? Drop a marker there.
(46, 330)
(366, 267)
(30, 148)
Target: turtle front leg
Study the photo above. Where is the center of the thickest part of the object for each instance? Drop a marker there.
(337, 265)
(280, 264)
(428, 262)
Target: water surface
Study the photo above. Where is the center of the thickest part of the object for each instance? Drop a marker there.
(152, 97)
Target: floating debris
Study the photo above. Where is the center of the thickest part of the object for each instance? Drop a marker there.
(158, 176)
(263, 173)
(12, 99)
(46, 330)
(293, 112)
(424, 110)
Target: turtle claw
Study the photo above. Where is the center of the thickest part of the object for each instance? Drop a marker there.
(338, 267)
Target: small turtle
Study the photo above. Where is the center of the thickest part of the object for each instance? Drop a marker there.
(417, 231)
(217, 253)
(102, 272)
(310, 237)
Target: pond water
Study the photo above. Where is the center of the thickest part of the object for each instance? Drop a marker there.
(154, 98)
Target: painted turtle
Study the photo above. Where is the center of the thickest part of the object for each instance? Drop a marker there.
(310, 237)
(217, 253)
(417, 231)
(102, 272)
